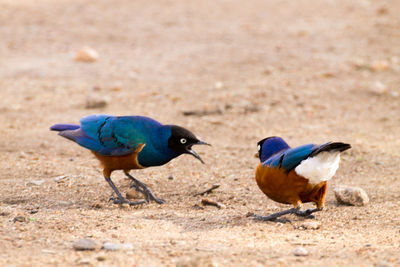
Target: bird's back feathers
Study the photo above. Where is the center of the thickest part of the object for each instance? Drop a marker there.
(314, 162)
(119, 136)
(290, 157)
(335, 146)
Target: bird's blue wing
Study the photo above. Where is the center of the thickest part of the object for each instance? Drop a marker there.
(109, 135)
(290, 158)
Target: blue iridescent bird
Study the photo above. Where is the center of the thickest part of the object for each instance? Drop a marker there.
(130, 142)
(296, 175)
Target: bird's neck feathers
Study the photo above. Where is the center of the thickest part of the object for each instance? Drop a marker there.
(156, 152)
(270, 146)
(165, 133)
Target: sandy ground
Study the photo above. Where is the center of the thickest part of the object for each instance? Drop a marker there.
(309, 71)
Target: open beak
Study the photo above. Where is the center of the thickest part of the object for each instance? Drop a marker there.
(202, 143)
(189, 150)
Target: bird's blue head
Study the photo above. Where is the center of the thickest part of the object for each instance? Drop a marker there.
(270, 146)
(167, 143)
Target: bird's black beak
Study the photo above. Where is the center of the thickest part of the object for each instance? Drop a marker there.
(189, 150)
(202, 143)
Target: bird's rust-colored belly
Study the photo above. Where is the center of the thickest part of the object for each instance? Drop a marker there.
(126, 162)
(288, 188)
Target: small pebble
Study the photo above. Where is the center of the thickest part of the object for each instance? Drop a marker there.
(384, 264)
(116, 87)
(394, 94)
(85, 261)
(127, 246)
(196, 262)
(5, 211)
(117, 246)
(378, 88)
(19, 219)
(59, 178)
(84, 244)
(268, 70)
(349, 195)
(35, 182)
(382, 11)
(208, 202)
(86, 54)
(380, 65)
(300, 251)
(110, 246)
(310, 225)
(47, 251)
(95, 102)
(133, 194)
(218, 85)
(101, 258)
(170, 178)
(97, 205)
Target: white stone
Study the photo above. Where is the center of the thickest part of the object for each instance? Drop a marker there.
(350, 195)
(300, 251)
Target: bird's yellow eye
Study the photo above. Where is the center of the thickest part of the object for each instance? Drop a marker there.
(183, 141)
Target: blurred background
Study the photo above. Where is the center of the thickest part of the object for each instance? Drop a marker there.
(233, 72)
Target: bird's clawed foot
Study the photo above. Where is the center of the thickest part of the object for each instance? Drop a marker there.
(150, 196)
(120, 201)
(306, 213)
(144, 189)
(274, 217)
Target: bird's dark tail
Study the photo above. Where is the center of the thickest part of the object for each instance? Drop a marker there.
(64, 127)
(336, 146)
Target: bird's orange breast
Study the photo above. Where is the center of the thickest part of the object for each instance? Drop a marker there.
(126, 162)
(288, 188)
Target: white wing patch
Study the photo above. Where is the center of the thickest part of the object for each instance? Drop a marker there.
(319, 168)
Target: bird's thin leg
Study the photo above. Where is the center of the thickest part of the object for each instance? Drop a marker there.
(275, 216)
(296, 211)
(121, 199)
(137, 187)
(143, 188)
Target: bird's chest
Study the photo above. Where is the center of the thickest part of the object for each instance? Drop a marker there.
(280, 186)
(126, 162)
(152, 156)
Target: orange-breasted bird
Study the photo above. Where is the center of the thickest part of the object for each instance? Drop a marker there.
(130, 142)
(296, 175)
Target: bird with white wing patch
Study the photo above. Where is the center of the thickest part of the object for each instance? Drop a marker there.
(296, 175)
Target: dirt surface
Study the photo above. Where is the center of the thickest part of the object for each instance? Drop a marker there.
(309, 71)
